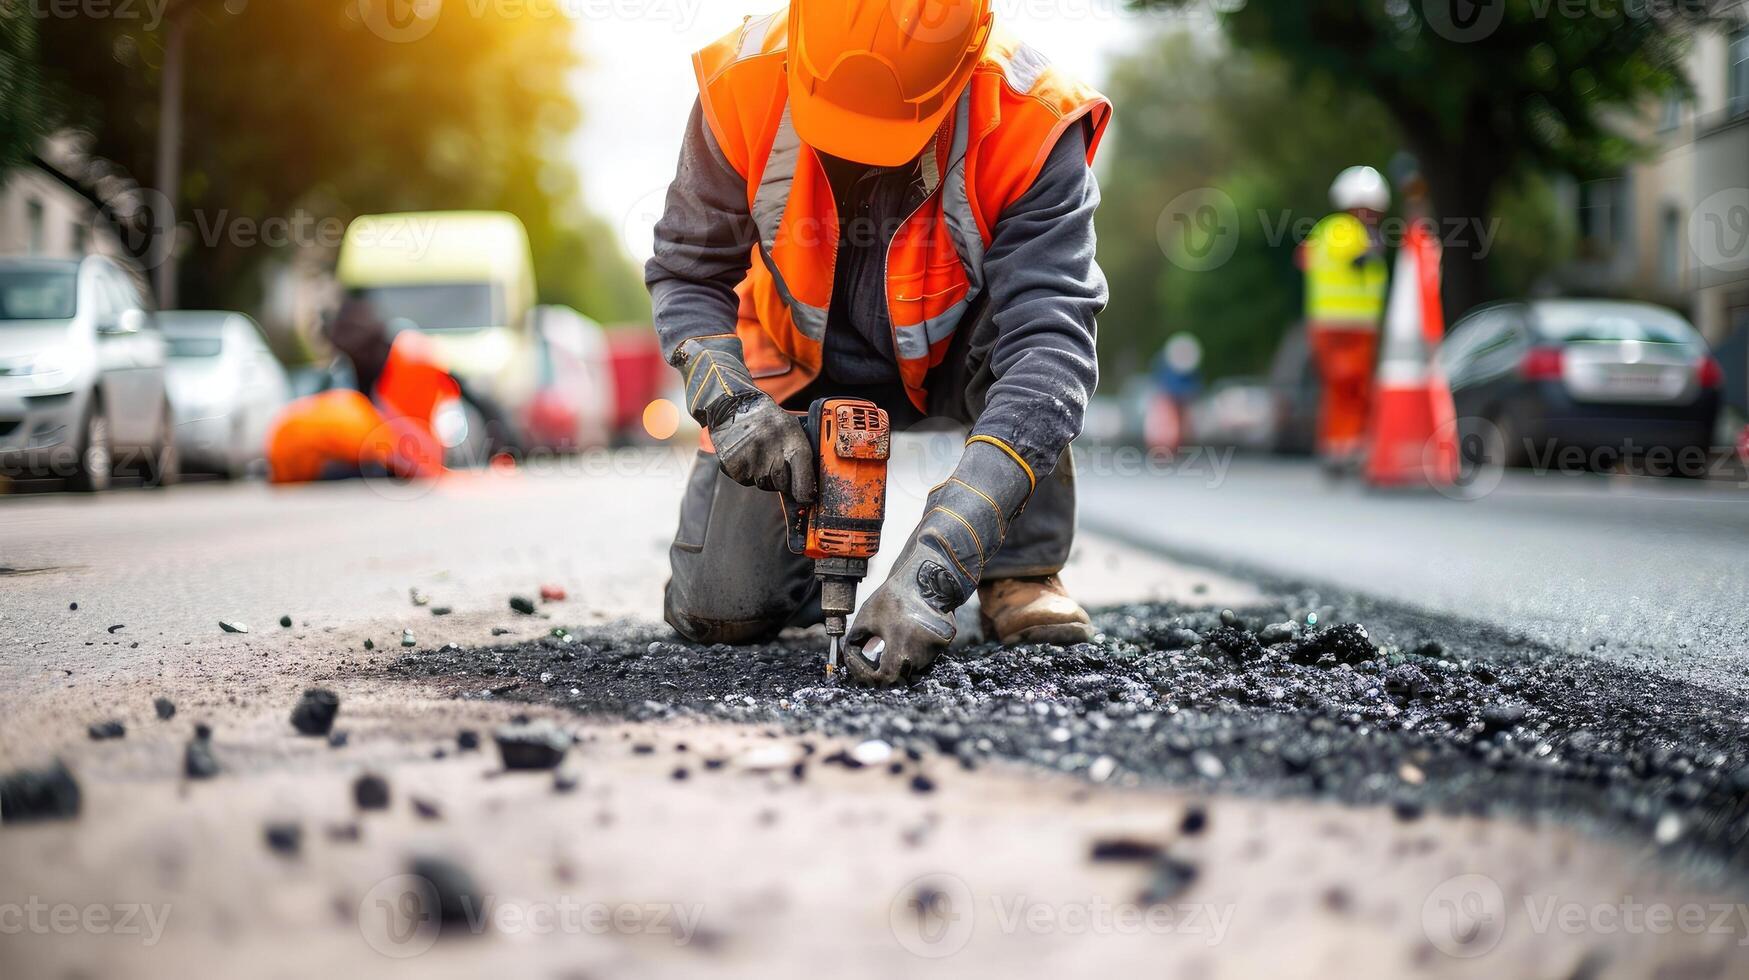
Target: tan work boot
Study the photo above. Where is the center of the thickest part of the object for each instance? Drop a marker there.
(1032, 610)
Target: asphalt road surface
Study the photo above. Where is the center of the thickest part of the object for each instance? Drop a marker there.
(1618, 566)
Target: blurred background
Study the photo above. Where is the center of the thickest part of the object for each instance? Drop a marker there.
(217, 156)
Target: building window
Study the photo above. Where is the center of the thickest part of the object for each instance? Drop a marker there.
(33, 227)
(1737, 79)
(1670, 117)
(1603, 213)
(1670, 249)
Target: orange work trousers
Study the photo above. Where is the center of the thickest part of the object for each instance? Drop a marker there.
(1345, 356)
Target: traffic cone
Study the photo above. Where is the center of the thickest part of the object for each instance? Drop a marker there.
(1412, 438)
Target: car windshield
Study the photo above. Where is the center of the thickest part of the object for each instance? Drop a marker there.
(194, 345)
(439, 306)
(38, 294)
(1591, 322)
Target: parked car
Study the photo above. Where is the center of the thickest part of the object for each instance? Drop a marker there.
(1594, 374)
(573, 403)
(82, 385)
(1294, 377)
(225, 388)
(1237, 412)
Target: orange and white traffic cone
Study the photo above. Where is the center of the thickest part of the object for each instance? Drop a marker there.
(1412, 440)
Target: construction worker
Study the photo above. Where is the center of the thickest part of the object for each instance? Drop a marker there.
(1346, 276)
(888, 199)
(387, 422)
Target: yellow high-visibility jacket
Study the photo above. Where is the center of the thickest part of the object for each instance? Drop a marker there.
(1340, 289)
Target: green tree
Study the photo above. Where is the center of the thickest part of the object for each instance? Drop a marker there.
(1201, 126)
(23, 110)
(1485, 92)
(312, 109)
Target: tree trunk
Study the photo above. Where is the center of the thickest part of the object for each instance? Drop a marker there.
(1461, 182)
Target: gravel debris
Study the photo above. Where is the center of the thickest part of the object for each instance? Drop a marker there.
(522, 604)
(165, 708)
(231, 627)
(106, 730)
(285, 838)
(315, 711)
(531, 745)
(370, 792)
(39, 794)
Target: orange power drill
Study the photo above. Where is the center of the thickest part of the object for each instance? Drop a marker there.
(841, 529)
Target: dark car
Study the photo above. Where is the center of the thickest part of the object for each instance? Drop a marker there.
(1294, 377)
(1614, 379)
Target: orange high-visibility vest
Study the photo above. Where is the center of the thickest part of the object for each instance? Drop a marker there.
(985, 157)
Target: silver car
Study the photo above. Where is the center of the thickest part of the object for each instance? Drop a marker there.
(225, 388)
(82, 392)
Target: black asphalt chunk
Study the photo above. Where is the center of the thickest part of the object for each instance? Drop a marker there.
(1497, 725)
(531, 745)
(198, 761)
(165, 708)
(370, 792)
(1171, 877)
(467, 740)
(103, 731)
(230, 627)
(522, 604)
(427, 809)
(1196, 820)
(1123, 849)
(285, 838)
(314, 713)
(203, 730)
(338, 740)
(117, 628)
(565, 780)
(922, 784)
(39, 794)
(452, 890)
(285, 622)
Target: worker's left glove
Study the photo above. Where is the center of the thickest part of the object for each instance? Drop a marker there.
(908, 621)
(758, 444)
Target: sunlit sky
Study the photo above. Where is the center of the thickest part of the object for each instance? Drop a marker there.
(638, 85)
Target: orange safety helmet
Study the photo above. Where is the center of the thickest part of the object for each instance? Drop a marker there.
(871, 80)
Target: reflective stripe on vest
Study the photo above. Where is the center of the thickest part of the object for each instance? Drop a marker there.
(1010, 115)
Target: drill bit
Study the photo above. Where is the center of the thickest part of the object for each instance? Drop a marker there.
(832, 657)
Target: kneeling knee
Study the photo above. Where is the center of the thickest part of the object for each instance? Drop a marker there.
(710, 625)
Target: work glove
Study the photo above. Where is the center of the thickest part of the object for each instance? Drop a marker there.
(908, 621)
(758, 444)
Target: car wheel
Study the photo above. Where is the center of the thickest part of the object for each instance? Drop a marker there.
(94, 467)
(1511, 451)
(165, 464)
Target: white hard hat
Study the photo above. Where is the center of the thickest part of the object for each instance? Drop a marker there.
(1360, 187)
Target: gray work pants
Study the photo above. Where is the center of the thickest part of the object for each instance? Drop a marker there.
(733, 578)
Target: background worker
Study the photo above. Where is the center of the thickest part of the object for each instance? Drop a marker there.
(888, 199)
(1346, 278)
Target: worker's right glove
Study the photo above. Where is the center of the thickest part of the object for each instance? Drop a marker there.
(908, 621)
(758, 444)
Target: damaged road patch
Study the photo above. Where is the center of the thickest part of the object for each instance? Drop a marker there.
(1368, 705)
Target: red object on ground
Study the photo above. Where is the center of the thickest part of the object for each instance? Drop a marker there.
(552, 593)
(1413, 437)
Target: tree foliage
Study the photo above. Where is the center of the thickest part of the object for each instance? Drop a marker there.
(298, 109)
(23, 115)
(1198, 121)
